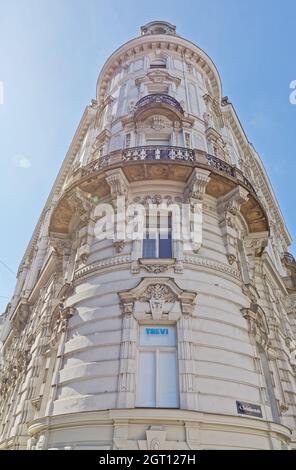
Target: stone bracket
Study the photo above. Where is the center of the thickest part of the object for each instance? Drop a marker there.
(118, 183)
(228, 208)
(196, 185)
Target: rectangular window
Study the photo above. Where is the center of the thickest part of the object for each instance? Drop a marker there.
(157, 380)
(158, 236)
(127, 142)
(158, 65)
(187, 140)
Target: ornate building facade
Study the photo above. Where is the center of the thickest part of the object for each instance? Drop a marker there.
(139, 344)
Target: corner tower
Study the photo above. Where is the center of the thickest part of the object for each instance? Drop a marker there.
(146, 343)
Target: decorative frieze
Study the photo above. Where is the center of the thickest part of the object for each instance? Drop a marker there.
(155, 200)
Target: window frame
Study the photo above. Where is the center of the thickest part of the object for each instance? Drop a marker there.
(156, 232)
(157, 349)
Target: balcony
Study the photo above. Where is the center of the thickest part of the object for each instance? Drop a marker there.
(146, 163)
(161, 154)
(229, 170)
(158, 100)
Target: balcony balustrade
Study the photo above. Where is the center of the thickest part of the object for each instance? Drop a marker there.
(161, 162)
(163, 153)
(158, 153)
(158, 99)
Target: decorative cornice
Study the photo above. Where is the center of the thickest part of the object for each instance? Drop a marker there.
(105, 263)
(207, 263)
(147, 44)
(257, 165)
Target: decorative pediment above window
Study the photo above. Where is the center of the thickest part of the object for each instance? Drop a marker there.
(162, 297)
(158, 76)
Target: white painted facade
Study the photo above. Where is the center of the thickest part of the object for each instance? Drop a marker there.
(105, 349)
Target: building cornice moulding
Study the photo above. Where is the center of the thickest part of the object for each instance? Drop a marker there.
(229, 110)
(145, 44)
(195, 260)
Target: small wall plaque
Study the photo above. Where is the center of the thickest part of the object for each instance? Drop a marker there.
(249, 409)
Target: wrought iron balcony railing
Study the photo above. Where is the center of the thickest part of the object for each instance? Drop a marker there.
(230, 170)
(158, 99)
(98, 164)
(162, 152)
(221, 165)
(158, 153)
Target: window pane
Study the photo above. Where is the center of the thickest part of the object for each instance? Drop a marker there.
(146, 386)
(165, 248)
(149, 248)
(167, 380)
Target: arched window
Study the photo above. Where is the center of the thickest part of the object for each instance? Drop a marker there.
(159, 63)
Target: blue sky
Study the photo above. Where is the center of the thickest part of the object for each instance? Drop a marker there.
(51, 52)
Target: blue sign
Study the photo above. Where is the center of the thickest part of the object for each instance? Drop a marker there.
(157, 331)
